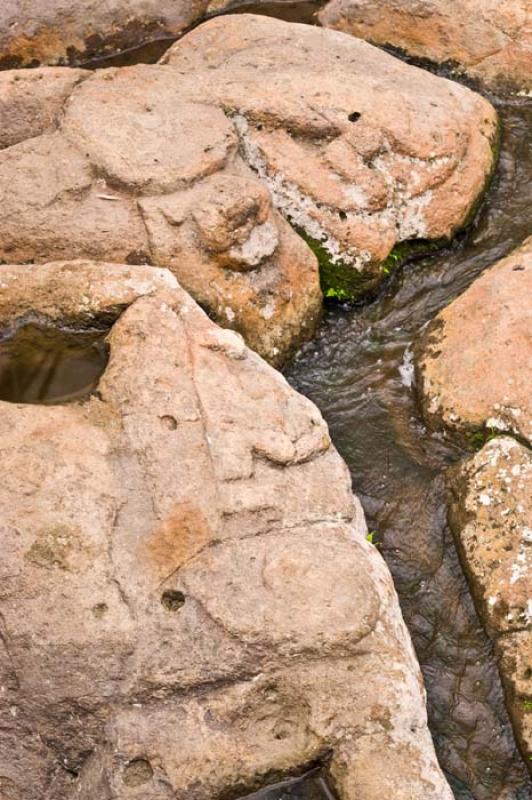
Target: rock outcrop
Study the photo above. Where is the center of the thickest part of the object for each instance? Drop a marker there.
(491, 516)
(189, 605)
(360, 151)
(473, 362)
(490, 41)
(161, 182)
(58, 32)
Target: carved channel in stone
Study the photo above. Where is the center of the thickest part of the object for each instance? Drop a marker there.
(45, 363)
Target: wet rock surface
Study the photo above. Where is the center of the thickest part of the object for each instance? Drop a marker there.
(360, 151)
(491, 516)
(471, 758)
(486, 384)
(490, 41)
(473, 375)
(184, 562)
(59, 32)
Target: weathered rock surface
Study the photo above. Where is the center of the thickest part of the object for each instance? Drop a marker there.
(358, 149)
(487, 39)
(474, 362)
(161, 182)
(31, 101)
(61, 32)
(491, 515)
(189, 606)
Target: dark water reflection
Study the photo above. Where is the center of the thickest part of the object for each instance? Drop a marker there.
(152, 50)
(308, 787)
(44, 364)
(357, 371)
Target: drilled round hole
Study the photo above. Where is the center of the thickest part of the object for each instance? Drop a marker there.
(173, 600)
(41, 363)
(169, 422)
(100, 610)
(137, 772)
(354, 116)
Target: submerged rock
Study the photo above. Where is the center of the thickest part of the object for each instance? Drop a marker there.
(359, 150)
(59, 32)
(473, 362)
(490, 41)
(491, 516)
(189, 604)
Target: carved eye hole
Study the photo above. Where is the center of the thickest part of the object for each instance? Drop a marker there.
(172, 600)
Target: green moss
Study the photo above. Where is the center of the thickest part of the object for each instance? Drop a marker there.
(339, 281)
(479, 438)
(406, 251)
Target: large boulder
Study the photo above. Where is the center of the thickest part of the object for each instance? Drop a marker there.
(72, 32)
(189, 605)
(473, 361)
(488, 40)
(491, 516)
(359, 150)
(160, 182)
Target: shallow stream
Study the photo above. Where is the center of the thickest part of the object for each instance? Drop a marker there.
(358, 372)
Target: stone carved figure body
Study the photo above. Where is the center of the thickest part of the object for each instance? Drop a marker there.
(189, 605)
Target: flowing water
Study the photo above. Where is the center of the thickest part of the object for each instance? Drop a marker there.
(358, 371)
(45, 364)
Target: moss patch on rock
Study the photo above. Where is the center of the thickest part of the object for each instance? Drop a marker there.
(343, 283)
(339, 280)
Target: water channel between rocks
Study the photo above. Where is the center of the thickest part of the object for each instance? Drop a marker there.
(358, 372)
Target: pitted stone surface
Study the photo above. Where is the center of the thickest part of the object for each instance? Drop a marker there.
(160, 182)
(199, 157)
(133, 615)
(358, 149)
(31, 101)
(327, 609)
(151, 141)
